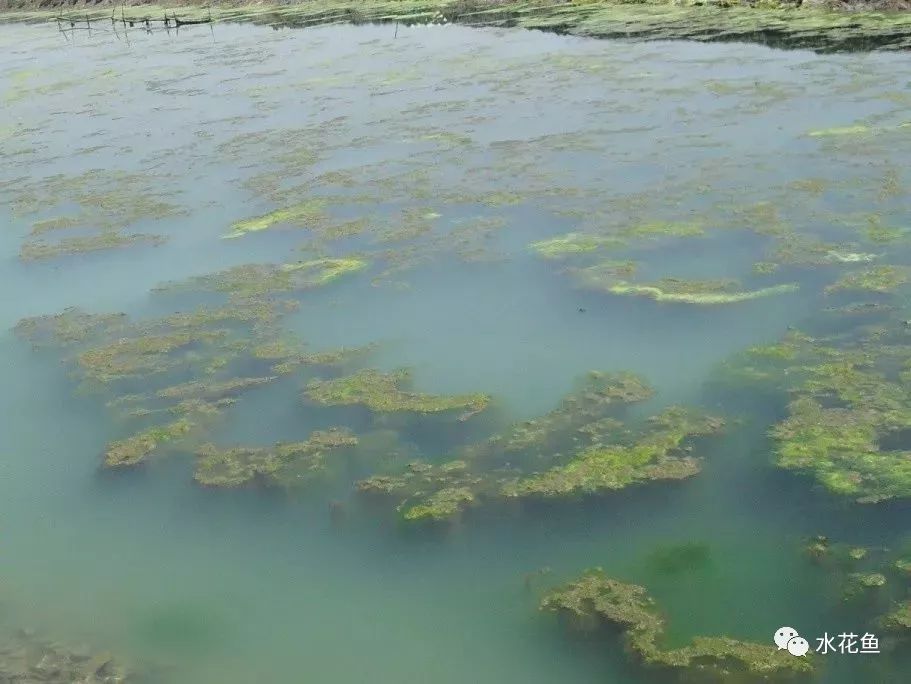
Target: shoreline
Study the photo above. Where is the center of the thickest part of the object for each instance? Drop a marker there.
(817, 27)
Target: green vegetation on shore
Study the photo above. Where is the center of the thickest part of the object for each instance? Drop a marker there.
(779, 23)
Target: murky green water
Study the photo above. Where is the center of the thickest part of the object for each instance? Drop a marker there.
(437, 156)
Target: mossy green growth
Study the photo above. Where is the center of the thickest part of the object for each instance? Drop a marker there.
(134, 450)
(595, 599)
(765, 267)
(880, 233)
(286, 464)
(839, 447)
(701, 292)
(141, 355)
(857, 553)
(867, 580)
(108, 203)
(882, 279)
(305, 214)
(70, 326)
(429, 492)
(441, 505)
(38, 249)
(583, 417)
(212, 390)
(381, 392)
(324, 271)
(848, 407)
(434, 492)
(570, 244)
(899, 619)
(657, 229)
(660, 454)
(259, 280)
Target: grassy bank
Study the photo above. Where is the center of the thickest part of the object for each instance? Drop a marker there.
(770, 22)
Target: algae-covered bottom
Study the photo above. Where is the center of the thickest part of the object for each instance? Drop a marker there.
(348, 353)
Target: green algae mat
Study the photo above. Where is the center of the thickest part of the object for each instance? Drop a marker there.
(386, 342)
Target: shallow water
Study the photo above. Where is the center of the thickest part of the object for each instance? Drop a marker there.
(239, 586)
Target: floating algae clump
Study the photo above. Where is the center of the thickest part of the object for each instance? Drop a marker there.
(380, 392)
(133, 450)
(429, 492)
(482, 471)
(594, 600)
(664, 229)
(68, 327)
(137, 356)
(255, 280)
(305, 214)
(839, 446)
(107, 202)
(659, 455)
(200, 389)
(881, 279)
(583, 415)
(285, 463)
(848, 411)
(441, 505)
(572, 243)
(840, 131)
(603, 455)
(39, 249)
(181, 365)
(899, 620)
(702, 292)
(867, 580)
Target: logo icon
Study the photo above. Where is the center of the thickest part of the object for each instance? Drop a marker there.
(798, 646)
(787, 638)
(783, 635)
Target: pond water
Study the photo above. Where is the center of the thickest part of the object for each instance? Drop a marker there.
(437, 155)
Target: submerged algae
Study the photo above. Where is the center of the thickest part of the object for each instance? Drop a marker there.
(215, 390)
(579, 446)
(595, 599)
(133, 450)
(108, 203)
(658, 455)
(840, 448)
(381, 392)
(285, 464)
(848, 407)
(882, 279)
(899, 619)
(256, 280)
(38, 249)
